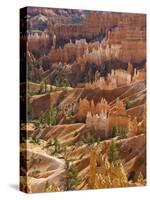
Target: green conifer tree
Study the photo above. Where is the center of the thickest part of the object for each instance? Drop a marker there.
(113, 152)
(72, 178)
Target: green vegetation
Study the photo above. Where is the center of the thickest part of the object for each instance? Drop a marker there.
(41, 90)
(69, 109)
(35, 140)
(54, 147)
(119, 132)
(56, 89)
(49, 117)
(72, 179)
(89, 139)
(57, 146)
(62, 82)
(45, 88)
(113, 153)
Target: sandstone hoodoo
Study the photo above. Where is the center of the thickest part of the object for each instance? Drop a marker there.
(86, 100)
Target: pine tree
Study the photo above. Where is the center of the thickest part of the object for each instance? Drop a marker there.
(72, 179)
(56, 146)
(48, 118)
(113, 152)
